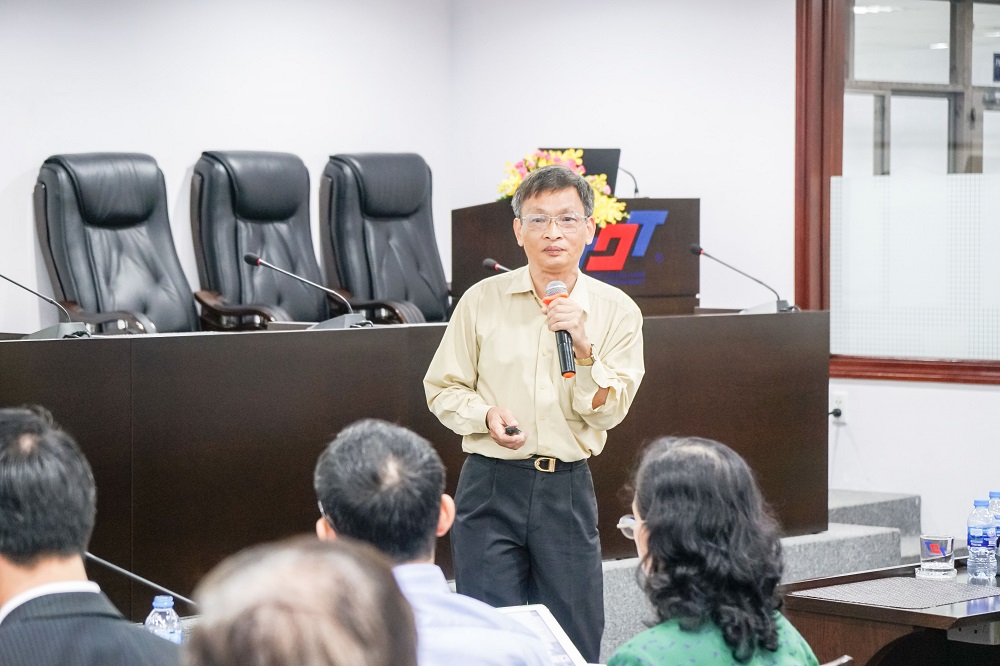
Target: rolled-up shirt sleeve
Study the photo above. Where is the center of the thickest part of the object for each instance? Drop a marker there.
(618, 366)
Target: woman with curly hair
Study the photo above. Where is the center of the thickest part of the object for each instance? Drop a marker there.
(710, 562)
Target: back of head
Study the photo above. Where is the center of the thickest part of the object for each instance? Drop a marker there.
(713, 553)
(47, 496)
(302, 601)
(382, 484)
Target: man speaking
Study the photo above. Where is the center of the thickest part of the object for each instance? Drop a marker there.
(526, 514)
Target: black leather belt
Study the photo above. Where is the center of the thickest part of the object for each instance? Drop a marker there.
(546, 464)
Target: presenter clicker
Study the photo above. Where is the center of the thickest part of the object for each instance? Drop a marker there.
(526, 519)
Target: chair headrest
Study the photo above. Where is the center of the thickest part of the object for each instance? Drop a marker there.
(113, 189)
(392, 184)
(265, 186)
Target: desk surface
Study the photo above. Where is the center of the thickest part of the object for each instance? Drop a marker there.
(881, 635)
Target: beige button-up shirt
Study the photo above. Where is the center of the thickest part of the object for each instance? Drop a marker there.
(498, 351)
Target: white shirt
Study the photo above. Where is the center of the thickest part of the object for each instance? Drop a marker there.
(48, 588)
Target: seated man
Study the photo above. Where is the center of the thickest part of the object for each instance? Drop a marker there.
(302, 601)
(49, 612)
(380, 483)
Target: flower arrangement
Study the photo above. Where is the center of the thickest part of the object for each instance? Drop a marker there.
(607, 209)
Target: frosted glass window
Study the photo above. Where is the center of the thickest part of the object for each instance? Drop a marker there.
(991, 142)
(859, 132)
(913, 270)
(918, 136)
(902, 40)
(985, 43)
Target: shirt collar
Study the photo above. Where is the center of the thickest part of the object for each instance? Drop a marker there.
(48, 588)
(521, 283)
(420, 576)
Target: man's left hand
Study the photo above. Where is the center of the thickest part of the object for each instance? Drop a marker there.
(565, 314)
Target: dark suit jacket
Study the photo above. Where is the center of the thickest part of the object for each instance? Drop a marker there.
(79, 629)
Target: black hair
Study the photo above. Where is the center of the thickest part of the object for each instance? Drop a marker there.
(48, 500)
(713, 551)
(381, 483)
(553, 178)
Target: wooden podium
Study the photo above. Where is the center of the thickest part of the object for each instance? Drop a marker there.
(648, 256)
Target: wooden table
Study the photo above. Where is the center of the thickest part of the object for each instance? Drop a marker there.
(880, 636)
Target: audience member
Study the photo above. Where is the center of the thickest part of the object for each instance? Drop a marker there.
(49, 612)
(711, 562)
(384, 485)
(302, 602)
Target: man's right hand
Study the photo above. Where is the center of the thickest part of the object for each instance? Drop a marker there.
(498, 419)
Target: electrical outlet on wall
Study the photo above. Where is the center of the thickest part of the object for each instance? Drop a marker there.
(838, 400)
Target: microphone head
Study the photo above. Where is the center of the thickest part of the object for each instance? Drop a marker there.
(251, 259)
(555, 288)
(696, 249)
(490, 264)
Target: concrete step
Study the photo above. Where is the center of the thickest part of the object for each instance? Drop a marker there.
(841, 549)
(855, 507)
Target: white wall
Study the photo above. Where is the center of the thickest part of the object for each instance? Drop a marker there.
(938, 441)
(175, 77)
(700, 97)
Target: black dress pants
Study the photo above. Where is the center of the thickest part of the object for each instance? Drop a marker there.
(526, 536)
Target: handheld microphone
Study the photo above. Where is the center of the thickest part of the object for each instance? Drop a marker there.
(70, 329)
(564, 342)
(343, 321)
(139, 579)
(782, 306)
(494, 265)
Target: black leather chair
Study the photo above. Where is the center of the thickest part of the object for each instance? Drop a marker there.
(377, 230)
(104, 232)
(257, 202)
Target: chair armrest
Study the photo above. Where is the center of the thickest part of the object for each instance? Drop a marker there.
(217, 315)
(122, 320)
(395, 312)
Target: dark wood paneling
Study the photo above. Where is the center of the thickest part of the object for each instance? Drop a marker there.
(226, 428)
(86, 386)
(756, 382)
(911, 370)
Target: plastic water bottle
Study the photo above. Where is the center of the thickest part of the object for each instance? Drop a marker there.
(163, 620)
(982, 563)
(995, 510)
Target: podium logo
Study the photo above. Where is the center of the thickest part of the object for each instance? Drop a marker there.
(615, 243)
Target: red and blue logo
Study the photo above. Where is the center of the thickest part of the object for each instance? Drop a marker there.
(615, 243)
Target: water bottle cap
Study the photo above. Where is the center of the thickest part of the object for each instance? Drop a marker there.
(163, 601)
(995, 494)
(977, 503)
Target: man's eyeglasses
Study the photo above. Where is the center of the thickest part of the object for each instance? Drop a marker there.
(540, 221)
(628, 524)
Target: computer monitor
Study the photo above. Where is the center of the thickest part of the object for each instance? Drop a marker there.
(600, 160)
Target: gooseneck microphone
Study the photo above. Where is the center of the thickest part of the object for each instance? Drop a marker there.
(635, 185)
(139, 579)
(69, 329)
(494, 265)
(782, 306)
(69, 320)
(564, 342)
(255, 260)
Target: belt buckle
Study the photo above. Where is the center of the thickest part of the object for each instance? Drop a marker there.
(545, 464)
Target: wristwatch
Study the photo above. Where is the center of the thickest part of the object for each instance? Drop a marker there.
(586, 361)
